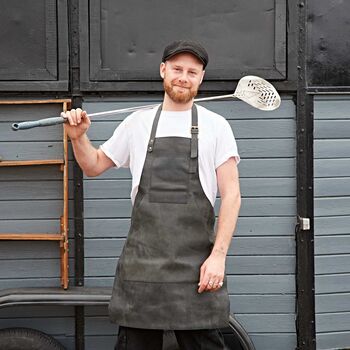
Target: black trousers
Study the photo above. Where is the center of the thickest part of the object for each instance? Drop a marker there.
(150, 339)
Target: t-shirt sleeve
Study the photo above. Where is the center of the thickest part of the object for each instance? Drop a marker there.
(117, 147)
(226, 146)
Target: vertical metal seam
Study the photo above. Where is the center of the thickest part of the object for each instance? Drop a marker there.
(305, 284)
(74, 70)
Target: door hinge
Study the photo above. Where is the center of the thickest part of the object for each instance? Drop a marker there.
(304, 223)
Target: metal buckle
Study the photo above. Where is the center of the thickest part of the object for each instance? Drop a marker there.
(194, 129)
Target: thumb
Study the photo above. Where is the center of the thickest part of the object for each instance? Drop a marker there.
(202, 273)
(86, 118)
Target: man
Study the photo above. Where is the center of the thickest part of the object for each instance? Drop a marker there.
(171, 274)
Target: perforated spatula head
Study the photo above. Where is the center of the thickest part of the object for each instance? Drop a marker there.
(257, 92)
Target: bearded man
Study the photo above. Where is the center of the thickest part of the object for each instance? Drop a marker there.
(171, 273)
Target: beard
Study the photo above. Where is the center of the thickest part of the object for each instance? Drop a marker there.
(176, 96)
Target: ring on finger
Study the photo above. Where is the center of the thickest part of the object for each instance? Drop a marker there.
(221, 284)
(211, 283)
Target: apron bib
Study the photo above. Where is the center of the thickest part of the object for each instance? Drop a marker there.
(171, 235)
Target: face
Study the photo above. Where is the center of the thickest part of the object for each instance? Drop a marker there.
(182, 75)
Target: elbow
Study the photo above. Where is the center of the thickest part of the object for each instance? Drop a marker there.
(91, 173)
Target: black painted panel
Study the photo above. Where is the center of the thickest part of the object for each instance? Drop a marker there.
(33, 36)
(124, 40)
(329, 32)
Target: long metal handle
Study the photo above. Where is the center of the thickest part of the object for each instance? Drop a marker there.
(61, 120)
(134, 109)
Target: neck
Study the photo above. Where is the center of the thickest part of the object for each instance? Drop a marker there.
(170, 105)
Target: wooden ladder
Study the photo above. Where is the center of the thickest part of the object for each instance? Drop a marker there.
(62, 236)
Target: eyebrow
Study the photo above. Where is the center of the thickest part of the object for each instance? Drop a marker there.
(195, 70)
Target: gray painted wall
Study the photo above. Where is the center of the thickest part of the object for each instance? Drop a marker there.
(31, 201)
(332, 221)
(261, 261)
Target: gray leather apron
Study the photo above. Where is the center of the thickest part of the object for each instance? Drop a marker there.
(171, 235)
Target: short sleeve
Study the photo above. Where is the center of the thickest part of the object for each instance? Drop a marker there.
(226, 146)
(117, 147)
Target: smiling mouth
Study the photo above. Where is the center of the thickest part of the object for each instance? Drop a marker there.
(182, 87)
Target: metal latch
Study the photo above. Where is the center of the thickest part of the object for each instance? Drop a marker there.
(304, 223)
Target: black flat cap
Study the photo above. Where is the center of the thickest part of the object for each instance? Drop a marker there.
(186, 46)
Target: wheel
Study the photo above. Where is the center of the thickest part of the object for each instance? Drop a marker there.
(27, 339)
(240, 336)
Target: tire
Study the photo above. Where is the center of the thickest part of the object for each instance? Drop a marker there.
(27, 339)
(241, 335)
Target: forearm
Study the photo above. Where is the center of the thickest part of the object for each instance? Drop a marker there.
(85, 154)
(228, 215)
(213, 269)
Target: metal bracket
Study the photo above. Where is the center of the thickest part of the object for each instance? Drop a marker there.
(304, 223)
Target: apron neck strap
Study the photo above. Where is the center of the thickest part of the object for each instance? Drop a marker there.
(154, 129)
(194, 131)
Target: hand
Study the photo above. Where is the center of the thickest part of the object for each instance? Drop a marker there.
(78, 123)
(212, 273)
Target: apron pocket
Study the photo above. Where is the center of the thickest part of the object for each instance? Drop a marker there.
(169, 180)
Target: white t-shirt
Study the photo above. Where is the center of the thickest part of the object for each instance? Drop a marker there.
(216, 144)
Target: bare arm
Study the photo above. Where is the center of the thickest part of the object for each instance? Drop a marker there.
(92, 161)
(213, 269)
(228, 182)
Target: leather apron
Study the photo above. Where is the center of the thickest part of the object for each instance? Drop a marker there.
(171, 235)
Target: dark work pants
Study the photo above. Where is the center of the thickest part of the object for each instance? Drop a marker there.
(150, 339)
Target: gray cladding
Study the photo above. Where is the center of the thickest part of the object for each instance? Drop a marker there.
(31, 198)
(60, 325)
(261, 263)
(332, 221)
(31, 201)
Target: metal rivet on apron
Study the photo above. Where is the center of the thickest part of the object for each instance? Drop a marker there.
(150, 145)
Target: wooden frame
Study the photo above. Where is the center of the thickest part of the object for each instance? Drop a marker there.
(62, 236)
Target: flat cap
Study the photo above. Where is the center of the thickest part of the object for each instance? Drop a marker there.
(186, 46)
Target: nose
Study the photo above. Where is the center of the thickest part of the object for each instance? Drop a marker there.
(183, 77)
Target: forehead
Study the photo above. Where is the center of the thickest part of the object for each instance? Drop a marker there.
(186, 59)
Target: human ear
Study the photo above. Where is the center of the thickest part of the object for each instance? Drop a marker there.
(202, 77)
(162, 70)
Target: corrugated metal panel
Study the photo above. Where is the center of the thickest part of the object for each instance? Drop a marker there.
(261, 261)
(332, 219)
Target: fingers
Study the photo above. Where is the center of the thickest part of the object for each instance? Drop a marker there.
(202, 282)
(209, 282)
(217, 285)
(75, 116)
(214, 284)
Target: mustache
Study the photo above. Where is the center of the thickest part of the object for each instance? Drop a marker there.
(179, 84)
